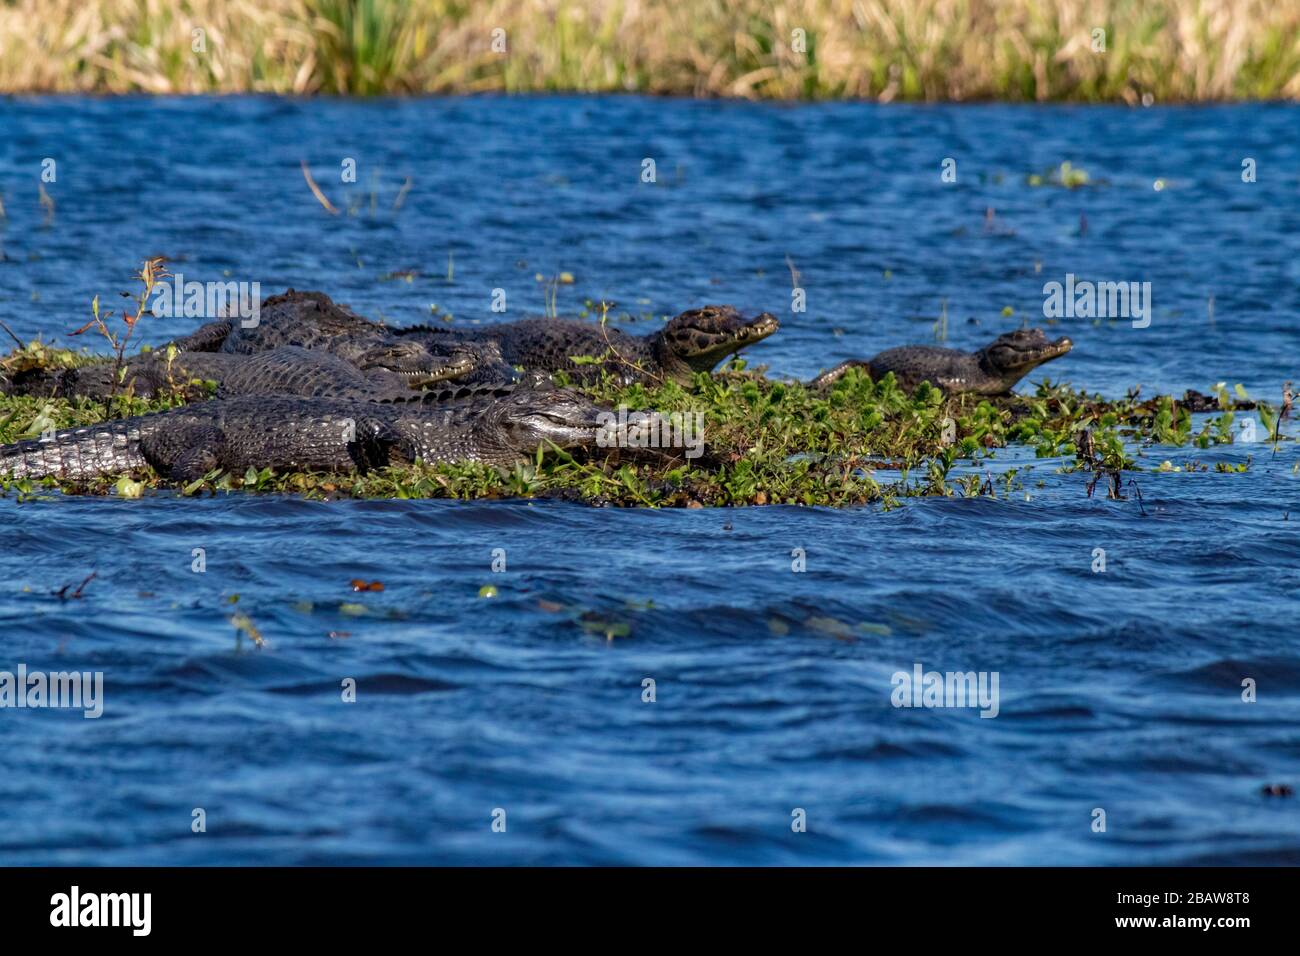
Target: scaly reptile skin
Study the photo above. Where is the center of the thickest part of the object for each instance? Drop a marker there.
(317, 434)
(311, 320)
(695, 341)
(993, 370)
(288, 370)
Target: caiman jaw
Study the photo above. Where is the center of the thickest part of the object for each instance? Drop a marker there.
(760, 328)
(755, 330)
(1021, 358)
(592, 428)
(1049, 351)
(452, 369)
(1013, 355)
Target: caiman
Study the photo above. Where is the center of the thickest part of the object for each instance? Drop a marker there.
(287, 370)
(312, 320)
(317, 434)
(993, 370)
(695, 341)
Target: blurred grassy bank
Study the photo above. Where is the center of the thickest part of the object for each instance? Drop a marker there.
(1171, 50)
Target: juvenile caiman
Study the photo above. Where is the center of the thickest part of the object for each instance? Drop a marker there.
(993, 370)
(694, 341)
(316, 434)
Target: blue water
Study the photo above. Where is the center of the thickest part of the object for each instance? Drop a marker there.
(1118, 690)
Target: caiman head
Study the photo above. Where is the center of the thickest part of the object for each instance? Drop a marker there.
(698, 340)
(1012, 355)
(528, 419)
(414, 364)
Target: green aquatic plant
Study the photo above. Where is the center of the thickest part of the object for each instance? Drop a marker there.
(151, 273)
(1067, 175)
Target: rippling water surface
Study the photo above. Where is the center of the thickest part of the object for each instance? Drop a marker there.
(1118, 690)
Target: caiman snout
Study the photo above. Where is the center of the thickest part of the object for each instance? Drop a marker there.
(1062, 345)
(416, 365)
(760, 327)
(1048, 350)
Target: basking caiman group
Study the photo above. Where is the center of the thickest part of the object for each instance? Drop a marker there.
(312, 386)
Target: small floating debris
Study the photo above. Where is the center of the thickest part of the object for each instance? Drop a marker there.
(601, 626)
(128, 488)
(63, 595)
(244, 625)
(830, 627)
(1067, 175)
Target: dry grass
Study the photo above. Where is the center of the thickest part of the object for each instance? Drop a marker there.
(876, 49)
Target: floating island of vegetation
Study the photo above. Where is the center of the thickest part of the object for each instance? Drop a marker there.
(767, 441)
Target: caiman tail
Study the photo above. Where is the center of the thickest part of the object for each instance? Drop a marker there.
(107, 448)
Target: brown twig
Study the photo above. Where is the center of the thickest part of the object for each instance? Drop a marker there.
(149, 274)
(1288, 397)
(315, 190)
(62, 593)
(11, 334)
(401, 194)
(604, 331)
(1137, 490)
